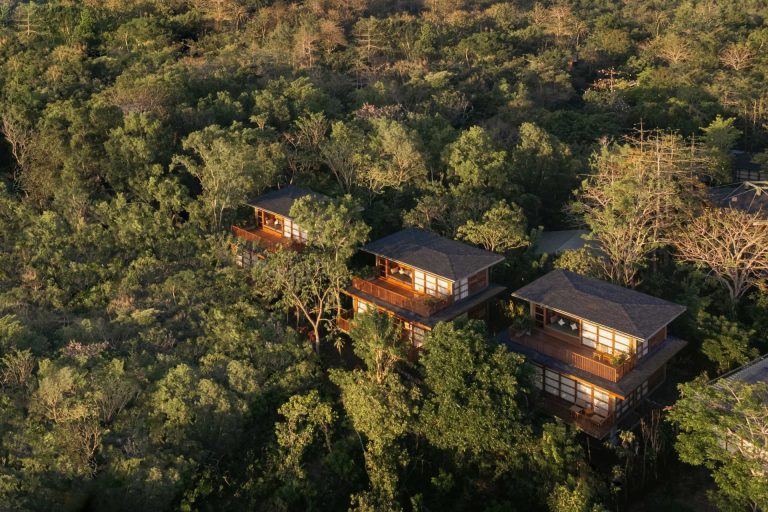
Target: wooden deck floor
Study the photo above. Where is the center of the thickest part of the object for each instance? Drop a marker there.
(574, 354)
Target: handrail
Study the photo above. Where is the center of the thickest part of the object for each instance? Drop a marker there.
(269, 241)
(426, 305)
(553, 347)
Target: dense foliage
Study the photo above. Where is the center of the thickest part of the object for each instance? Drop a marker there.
(141, 371)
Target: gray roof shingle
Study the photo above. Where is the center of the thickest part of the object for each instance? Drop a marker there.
(557, 242)
(280, 201)
(625, 310)
(433, 253)
(751, 373)
(750, 197)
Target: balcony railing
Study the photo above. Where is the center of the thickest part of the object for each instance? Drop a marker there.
(264, 239)
(593, 424)
(424, 305)
(581, 357)
(344, 321)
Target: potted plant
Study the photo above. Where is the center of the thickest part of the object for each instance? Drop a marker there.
(521, 322)
(368, 273)
(619, 359)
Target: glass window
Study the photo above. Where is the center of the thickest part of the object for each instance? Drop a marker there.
(271, 221)
(589, 334)
(622, 343)
(642, 348)
(400, 273)
(461, 289)
(563, 323)
(538, 376)
(418, 336)
(419, 280)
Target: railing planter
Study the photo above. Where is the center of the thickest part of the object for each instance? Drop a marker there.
(425, 306)
(594, 363)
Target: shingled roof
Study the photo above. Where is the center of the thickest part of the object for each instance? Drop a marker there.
(751, 373)
(625, 310)
(280, 201)
(433, 253)
(750, 197)
(557, 242)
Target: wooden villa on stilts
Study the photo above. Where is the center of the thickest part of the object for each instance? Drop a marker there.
(271, 226)
(420, 279)
(598, 349)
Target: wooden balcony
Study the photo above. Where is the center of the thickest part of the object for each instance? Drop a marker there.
(264, 239)
(344, 321)
(577, 355)
(419, 303)
(593, 424)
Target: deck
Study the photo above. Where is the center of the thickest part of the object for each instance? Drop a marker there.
(576, 355)
(263, 239)
(419, 303)
(593, 424)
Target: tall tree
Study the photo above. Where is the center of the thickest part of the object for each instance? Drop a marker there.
(333, 227)
(501, 229)
(725, 343)
(471, 396)
(230, 163)
(731, 243)
(303, 282)
(637, 194)
(724, 427)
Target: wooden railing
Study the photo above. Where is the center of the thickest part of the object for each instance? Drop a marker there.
(594, 363)
(265, 240)
(593, 424)
(344, 321)
(425, 305)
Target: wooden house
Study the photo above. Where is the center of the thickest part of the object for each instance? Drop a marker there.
(421, 278)
(598, 349)
(271, 226)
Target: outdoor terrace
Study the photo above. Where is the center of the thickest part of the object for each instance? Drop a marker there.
(419, 303)
(593, 424)
(577, 355)
(264, 238)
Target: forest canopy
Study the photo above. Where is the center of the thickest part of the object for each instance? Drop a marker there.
(142, 370)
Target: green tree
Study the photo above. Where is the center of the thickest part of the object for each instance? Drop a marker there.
(723, 427)
(377, 340)
(502, 229)
(543, 166)
(396, 158)
(475, 162)
(306, 283)
(230, 163)
(725, 343)
(345, 154)
(472, 393)
(306, 418)
(333, 227)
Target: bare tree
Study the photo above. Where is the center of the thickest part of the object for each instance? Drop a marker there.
(637, 194)
(672, 48)
(731, 243)
(19, 137)
(736, 56)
